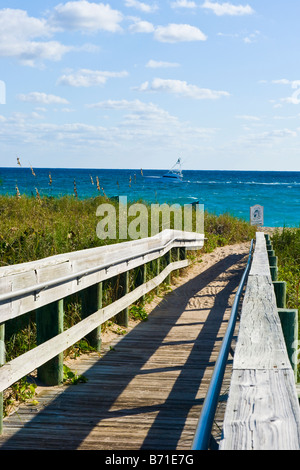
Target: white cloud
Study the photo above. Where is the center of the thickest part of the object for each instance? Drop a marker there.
(269, 138)
(17, 25)
(172, 33)
(18, 32)
(87, 78)
(183, 4)
(252, 37)
(134, 106)
(294, 99)
(140, 26)
(248, 117)
(145, 8)
(295, 85)
(144, 125)
(85, 16)
(37, 97)
(178, 33)
(120, 104)
(284, 81)
(155, 64)
(179, 87)
(221, 9)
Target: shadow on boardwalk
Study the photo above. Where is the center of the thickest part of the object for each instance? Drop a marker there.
(143, 394)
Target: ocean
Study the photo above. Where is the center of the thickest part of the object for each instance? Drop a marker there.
(221, 192)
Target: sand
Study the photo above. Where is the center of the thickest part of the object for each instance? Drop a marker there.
(203, 262)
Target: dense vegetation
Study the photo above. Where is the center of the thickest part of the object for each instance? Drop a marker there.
(33, 228)
(287, 247)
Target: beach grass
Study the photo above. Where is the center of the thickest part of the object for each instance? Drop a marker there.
(35, 228)
(286, 244)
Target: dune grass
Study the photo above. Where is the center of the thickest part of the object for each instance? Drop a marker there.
(32, 228)
(287, 248)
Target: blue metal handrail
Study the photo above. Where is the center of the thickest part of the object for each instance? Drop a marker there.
(202, 436)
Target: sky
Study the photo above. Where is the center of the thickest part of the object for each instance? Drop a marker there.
(138, 84)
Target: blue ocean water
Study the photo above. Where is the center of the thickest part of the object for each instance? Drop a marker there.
(220, 191)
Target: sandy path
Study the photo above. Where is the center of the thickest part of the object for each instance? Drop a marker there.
(203, 263)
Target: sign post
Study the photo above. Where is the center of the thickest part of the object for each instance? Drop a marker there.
(257, 215)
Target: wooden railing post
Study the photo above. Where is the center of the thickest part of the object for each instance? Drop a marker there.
(178, 258)
(157, 272)
(2, 362)
(280, 293)
(289, 323)
(123, 317)
(169, 261)
(183, 252)
(49, 323)
(141, 277)
(91, 303)
(288, 317)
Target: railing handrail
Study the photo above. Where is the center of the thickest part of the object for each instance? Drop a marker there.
(44, 285)
(202, 436)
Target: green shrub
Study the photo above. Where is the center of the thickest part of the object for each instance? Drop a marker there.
(287, 248)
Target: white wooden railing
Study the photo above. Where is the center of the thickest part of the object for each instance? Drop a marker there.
(37, 285)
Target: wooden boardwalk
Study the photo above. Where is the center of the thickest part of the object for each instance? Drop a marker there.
(147, 391)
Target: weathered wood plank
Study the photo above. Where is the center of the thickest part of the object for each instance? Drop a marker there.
(260, 262)
(264, 411)
(261, 343)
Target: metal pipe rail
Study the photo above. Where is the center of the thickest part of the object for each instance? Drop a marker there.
(80, 274)
(203, 439)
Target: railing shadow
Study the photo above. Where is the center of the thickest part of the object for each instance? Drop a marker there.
(67, 421)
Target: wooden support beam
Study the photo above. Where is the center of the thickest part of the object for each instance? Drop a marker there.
(289, 323)
(280, 293)
(169, 261)
(91, 302)
(50, 323)
(123, 317)
(141, 277)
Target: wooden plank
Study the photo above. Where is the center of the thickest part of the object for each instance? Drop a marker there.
(261, 343)
(260, 262)
(107, 261)
(262, 411)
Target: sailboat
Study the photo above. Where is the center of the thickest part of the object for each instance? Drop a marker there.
(175, 173)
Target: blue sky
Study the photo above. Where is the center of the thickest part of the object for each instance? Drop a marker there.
(136, 84)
